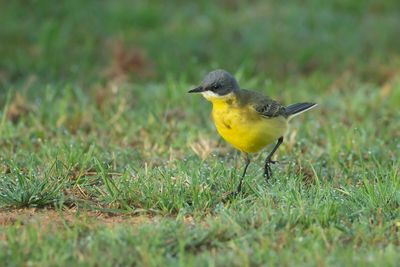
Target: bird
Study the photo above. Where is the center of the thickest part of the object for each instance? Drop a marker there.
(248, 120)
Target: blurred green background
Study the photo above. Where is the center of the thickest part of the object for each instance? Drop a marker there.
(83, 41)
(94, 116)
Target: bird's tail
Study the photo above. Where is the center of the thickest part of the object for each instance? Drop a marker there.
(296, 109)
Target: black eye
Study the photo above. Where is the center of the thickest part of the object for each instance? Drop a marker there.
(215, 86)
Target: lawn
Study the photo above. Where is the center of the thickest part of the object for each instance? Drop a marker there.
(105, 160)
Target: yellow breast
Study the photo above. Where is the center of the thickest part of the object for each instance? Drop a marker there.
(243, 127)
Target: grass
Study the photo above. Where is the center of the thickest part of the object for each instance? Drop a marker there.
(104, 158)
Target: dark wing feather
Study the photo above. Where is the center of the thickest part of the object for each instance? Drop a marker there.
(263, 104)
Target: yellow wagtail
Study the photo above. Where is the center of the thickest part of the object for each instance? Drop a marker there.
(246, 119)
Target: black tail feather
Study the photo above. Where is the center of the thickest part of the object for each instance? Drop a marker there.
(298, 108)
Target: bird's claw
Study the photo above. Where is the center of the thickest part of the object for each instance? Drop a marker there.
(230, 196)
(267, 169)
(267, 172)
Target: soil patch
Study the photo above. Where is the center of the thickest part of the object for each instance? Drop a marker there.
(52, 218)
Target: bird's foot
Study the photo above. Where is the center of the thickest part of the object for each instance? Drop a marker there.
(267, 168)
(234, 194)
(230, 196)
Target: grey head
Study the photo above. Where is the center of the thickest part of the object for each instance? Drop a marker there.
(219, 82)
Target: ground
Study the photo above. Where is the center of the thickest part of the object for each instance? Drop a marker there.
(106, 160)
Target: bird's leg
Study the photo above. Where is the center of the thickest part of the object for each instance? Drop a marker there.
(268, 160)
(247, 162)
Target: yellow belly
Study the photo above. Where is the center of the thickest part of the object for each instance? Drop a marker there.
(246, 129)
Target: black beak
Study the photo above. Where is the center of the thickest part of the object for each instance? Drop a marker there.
(197, 90)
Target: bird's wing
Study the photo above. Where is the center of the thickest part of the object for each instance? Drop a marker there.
(264, 105)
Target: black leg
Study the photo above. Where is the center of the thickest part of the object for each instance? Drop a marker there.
(269, 161)
(247, 160)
